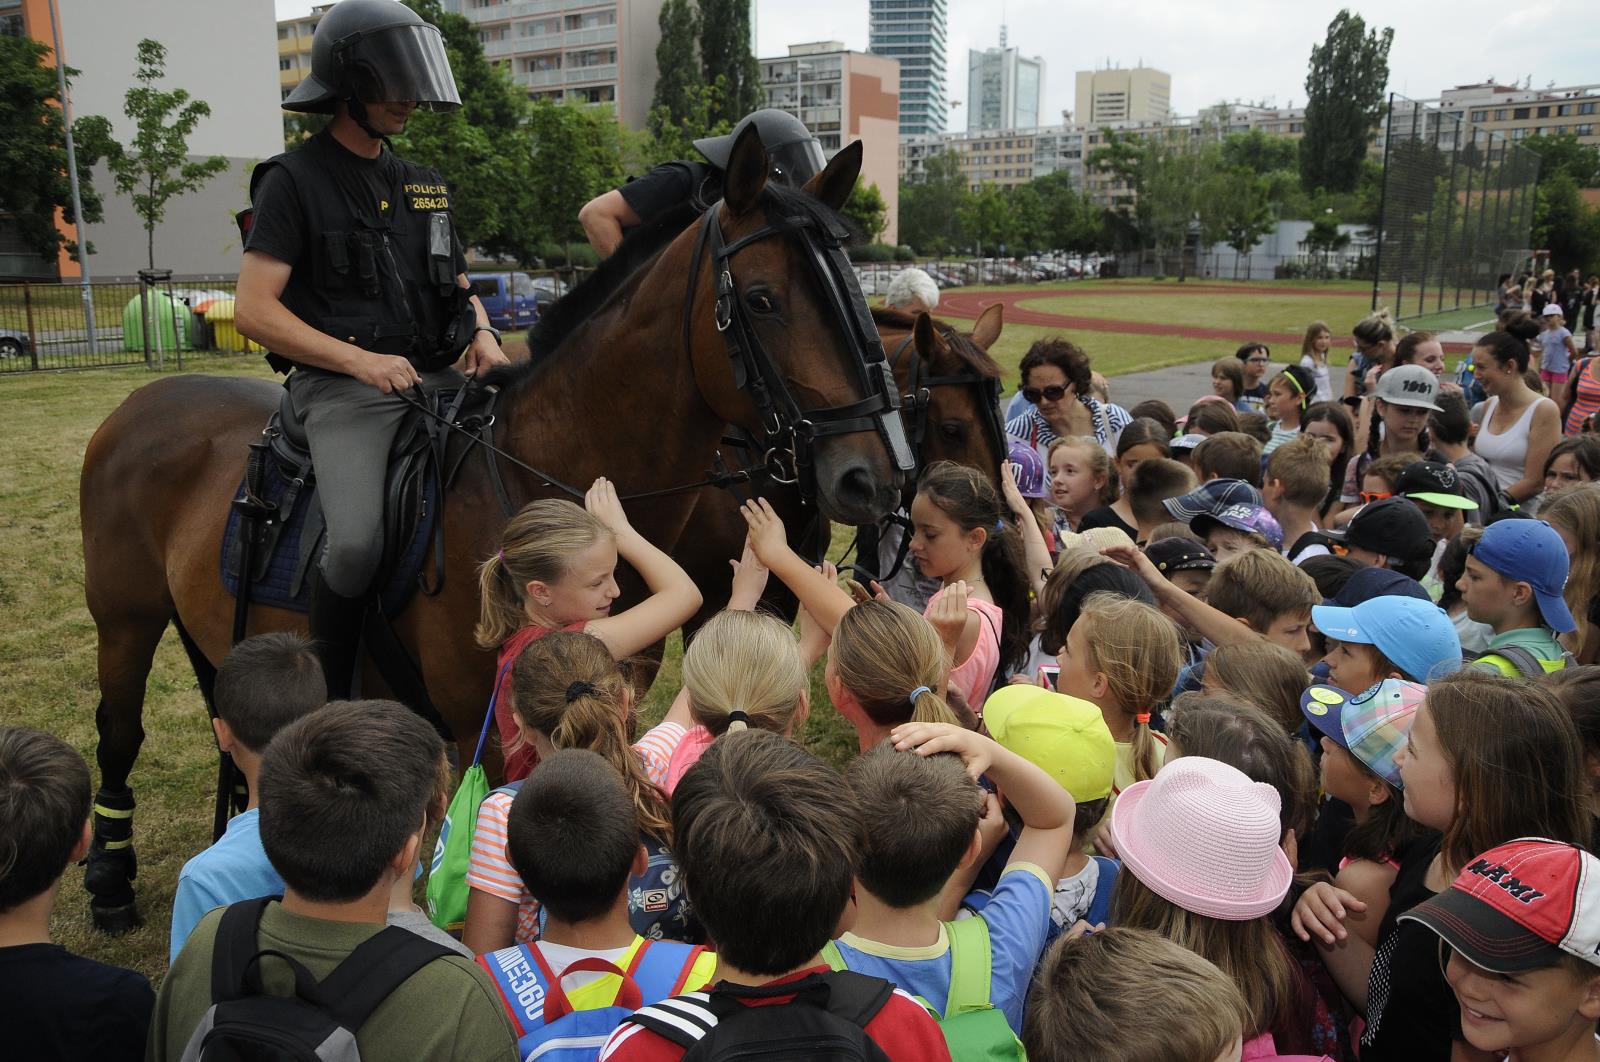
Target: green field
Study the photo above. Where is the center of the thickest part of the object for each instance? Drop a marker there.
(47, 639)
(1288, 314)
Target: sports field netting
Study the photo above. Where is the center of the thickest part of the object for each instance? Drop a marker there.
(1456, 214)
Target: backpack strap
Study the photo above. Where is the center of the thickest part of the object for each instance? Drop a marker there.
(370, 973)
(834, 957)
(971, 959)
(661, 968)
(488, 716)
(507, 967)
(510, 789)
(1525, 662)
(235, 948)
(558, 1006)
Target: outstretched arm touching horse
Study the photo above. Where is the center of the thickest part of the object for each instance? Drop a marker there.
(818, 594)
(673, 595)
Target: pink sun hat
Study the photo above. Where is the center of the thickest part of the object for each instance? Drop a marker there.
(1202, 835)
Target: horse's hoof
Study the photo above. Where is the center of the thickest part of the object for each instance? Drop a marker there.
(116, 920)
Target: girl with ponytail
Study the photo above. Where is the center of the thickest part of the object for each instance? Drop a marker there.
(886, 667)
(555, 570)
(1124, 656)
(569, 693)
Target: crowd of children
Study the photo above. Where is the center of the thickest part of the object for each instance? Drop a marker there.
(1226, 736)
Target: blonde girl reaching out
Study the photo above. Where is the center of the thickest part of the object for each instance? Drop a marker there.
(556, 570)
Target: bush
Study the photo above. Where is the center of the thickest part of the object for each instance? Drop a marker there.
(872, 252)
(902, 253)
(554, 255)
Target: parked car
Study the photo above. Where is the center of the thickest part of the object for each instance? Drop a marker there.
(13, 344)
(510, 299)
(547, 289)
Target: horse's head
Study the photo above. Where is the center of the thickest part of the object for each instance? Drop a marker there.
(955, 390)
(779, 300)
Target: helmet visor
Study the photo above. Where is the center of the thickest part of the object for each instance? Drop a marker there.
(401, 64)
(797, 162)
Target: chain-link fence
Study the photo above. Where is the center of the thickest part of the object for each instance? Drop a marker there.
(1456, 214)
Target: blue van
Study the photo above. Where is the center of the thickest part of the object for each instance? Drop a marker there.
(509, 298)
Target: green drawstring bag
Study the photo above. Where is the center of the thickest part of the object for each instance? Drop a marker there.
(447, 874)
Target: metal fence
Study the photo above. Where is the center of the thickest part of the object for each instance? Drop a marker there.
(1456, 213)
(153, 320)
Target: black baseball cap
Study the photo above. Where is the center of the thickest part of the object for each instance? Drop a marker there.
(1434, 482)
(1391, 526)
(1179, 554)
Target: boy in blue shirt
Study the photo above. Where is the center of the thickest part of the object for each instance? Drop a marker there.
(266, 683)
(927, 820)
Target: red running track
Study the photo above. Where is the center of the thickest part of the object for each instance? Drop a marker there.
(969, 304)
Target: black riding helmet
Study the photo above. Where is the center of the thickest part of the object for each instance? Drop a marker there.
(375, 51)
(793, 150)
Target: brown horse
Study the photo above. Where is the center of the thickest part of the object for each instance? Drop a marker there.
(943, 376)
(635, 383)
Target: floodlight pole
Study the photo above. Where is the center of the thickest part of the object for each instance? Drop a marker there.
(72, 181)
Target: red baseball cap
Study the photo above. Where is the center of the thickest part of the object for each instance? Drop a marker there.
(1520, 906)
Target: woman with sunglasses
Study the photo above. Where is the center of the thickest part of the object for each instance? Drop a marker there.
(1374, 337)
(1056, 381)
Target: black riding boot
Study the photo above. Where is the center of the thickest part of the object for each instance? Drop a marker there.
(336, 623)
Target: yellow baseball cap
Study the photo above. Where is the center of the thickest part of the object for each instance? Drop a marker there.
(1065, 736)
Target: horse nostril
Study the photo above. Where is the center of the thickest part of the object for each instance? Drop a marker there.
(857, 484)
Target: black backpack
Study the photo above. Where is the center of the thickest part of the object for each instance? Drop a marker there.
(320, 1021)
(825, 1022)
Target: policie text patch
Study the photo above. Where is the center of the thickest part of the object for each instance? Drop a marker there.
(427, 197)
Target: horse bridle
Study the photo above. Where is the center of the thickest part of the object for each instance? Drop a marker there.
(789, 431)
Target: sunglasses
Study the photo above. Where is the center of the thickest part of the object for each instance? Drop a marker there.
(1260, 361)
(1375, 495)
(1055, 393)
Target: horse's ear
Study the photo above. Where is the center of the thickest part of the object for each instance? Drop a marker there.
(925, 336)
(838, 178)
(746, 174)
(987, 330)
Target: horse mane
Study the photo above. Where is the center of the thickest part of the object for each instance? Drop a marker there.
(787, 209)
(975, 356)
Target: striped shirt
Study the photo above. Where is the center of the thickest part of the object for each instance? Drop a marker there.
(1108, 421)
(491, 871)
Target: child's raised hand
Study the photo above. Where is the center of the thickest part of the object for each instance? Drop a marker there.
(749, 580)
(1133, 558)
(991, 826)
(767, 535)
(976, 751)
(1322, 910)
(602, 501)
(947, 612)
(1008, 486)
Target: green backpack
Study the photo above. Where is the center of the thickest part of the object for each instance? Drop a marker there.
(447, 873)
(974, 1029)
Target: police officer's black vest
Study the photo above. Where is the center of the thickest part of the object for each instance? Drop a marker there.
(385, 282)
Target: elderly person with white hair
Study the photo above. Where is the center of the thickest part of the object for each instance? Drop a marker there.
(912, 291)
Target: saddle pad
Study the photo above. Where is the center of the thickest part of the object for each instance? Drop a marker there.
(276, 588)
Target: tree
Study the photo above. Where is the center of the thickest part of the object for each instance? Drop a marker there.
(866, 211)
(1566, 155)
(668, 137)
(931, 209)
(680, 85)
(988, 219)
(156, 167)
(1325, 238)
(33, 149)
(1259, 153)
(577, 154)
(1562, 222)
(1235, 209)
(1170, 179)
(1068, 221)
(1344, 100)
(726, 60)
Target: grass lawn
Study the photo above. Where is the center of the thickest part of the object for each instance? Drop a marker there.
(1201, 309)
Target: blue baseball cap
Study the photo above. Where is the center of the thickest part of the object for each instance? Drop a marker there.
(1369, 582)
(1417, 636)
(1371, 725)
(1530, 551)
(1212, 496)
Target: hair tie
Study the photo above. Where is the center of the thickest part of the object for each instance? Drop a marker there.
(918, 692)
(581, 689)
(738, 716)
(1142, 719)
(500, 555)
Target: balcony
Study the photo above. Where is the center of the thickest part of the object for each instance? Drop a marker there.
(520, 9)
(606, 72)
(593, 35)
(538, 78)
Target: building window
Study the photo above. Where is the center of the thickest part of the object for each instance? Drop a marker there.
(1500, 115)
(1586, 108)
(1519, 134)
(286, 62)
(1585, 129)
(1520, 113)
(1480, 116)
(1544, 112)
(1563, 110)
(283, 33)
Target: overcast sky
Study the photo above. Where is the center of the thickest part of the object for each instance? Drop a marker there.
(1253, 50)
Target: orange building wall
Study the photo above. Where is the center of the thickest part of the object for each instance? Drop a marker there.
(874, 119)
(36, 17)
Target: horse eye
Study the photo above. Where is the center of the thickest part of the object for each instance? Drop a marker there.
(953, 429)
(759, 301)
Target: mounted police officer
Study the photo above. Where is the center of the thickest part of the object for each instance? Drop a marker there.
(792, 149)
(354, 279)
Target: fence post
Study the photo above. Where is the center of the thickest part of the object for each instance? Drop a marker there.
(144, 317)
(33, 341)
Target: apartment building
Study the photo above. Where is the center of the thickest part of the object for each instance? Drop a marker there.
(913, 31)
(844, 96)
(1005, 89)
(1139, 94)
(1514, 112)
(294, 48)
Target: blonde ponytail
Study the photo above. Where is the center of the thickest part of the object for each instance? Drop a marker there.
(893, 663)
(567, 687)
(1139, 651)
(538, 544)
(743, 671)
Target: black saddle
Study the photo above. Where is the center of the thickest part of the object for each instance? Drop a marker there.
(279, 490)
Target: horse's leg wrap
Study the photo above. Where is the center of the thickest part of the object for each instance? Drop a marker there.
(112, 863)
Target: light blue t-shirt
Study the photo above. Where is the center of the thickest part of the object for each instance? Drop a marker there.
(1556, 358)
(235, 868)
(1018, 913)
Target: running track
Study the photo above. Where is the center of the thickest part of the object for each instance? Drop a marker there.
(969, 304)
